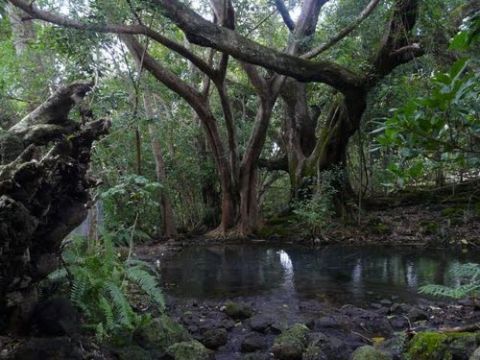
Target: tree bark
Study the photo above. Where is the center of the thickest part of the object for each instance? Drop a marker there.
(42, 200)
(168, 220)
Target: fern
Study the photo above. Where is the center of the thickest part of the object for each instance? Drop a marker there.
(100, 280)
(470, 283)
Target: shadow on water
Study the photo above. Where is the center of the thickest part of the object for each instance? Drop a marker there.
(334, 274)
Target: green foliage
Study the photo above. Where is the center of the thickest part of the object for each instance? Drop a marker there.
(131, 208)
(101, 284)
(469, 275)
(313, 213)
(438, 131)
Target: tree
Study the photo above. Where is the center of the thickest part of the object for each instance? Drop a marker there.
(237, 172)
(44, 190)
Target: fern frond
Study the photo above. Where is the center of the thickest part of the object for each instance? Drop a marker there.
(147, 283)
(121, 305)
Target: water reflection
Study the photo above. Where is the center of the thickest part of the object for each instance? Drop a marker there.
(333, 274)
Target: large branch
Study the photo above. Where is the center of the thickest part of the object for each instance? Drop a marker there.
(344, 32)
(138, 29)
(287, 19)
(204, 33)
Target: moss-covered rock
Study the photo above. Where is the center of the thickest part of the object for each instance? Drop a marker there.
(314, 352)
(161, 333)
(189, 350)
(133, 352)
(238, 311)
(369, 353)
(214, 338)
(291, 344)
(428, 346)
(441, 346)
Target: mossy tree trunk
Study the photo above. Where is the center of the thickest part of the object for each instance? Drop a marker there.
(44, 189)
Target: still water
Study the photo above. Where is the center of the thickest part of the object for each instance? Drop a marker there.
(332, 274)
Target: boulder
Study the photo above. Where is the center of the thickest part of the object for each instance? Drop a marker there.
(441, 346)
(253, 342)
(189, 350)
(291, 344)
(260, 323)
(161, 333)
(238, 311)
(368, 352)
(214, 338)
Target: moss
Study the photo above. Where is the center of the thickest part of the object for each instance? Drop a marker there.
(378, 227)
(440, 346)
(428, 346)
(188, 350)
(314, 352)
(369, 353)
(133, 352)
(452, 212)
(161, 333)
(429, 227)
(291, 343)
(237, 311)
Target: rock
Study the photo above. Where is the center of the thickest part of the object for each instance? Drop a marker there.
(428, 346)
(255, 356)
(161, 333)
(214, 338)
(416, 314)
(440, 346)
(394, 346)
(253, 342)
(291, 344)
(332, 347)
(386, 302)
(399, 309)
(260, 323)
(475, 355)
(47, 348)
(55, 317)
(277, 327)
(399, 323)
(132, 352)
(227, 324)
(369, 353)
(188, 350)
(314, 352)
(327, 322)
(238, 311)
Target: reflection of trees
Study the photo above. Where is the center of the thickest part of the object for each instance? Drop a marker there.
(331, 273)
(223, 270)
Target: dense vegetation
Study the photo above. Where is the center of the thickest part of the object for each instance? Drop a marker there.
(147, 120)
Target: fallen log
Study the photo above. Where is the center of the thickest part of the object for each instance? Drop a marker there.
(44, 189)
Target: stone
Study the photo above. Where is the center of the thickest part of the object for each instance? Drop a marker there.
(399, 323)
(188, 350)
(399, 309)
(161, 333)
(394, 346)
(214, 338)
(255, 356)
(260, 323)
(475, 355)
(314, 352)
(48, 348)
(238, 311)
(416, 314)
(441, 346)
(253, 342)
(291, 344)
(368, 352)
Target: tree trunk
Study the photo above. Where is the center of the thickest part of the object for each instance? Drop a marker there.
(41, 200)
